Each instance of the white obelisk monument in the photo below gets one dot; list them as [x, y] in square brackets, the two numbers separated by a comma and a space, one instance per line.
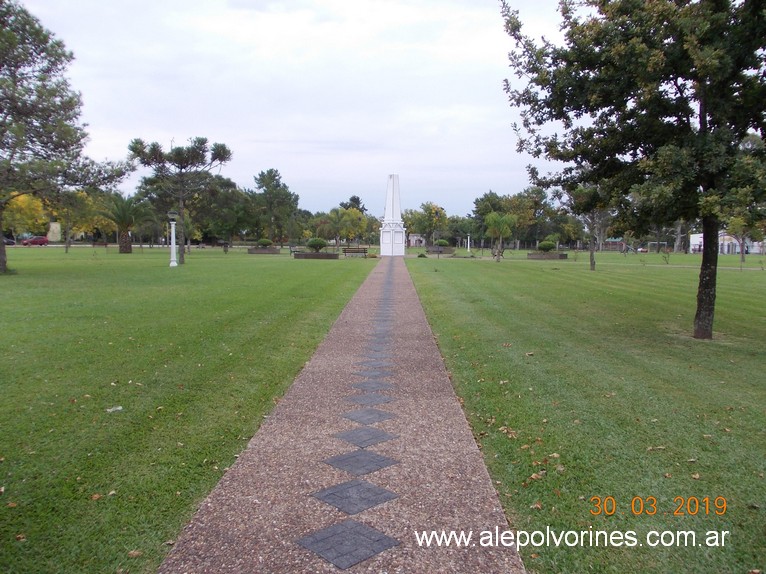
[392, 229]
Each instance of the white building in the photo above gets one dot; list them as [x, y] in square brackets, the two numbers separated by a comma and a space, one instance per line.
[727, 245]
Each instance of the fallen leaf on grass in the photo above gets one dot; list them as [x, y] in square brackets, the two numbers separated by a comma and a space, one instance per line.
[530, 354]
[537, 506]
[21, 537]
[667, 475]
[696, 476]
[135, 554]
[95, 496]
[510, 433]
[12, 505]
[652, 448]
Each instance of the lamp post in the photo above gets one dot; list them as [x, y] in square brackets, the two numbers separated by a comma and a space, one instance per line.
[172, 216]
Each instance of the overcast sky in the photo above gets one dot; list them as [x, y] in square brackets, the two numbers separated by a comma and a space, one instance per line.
[335, 94]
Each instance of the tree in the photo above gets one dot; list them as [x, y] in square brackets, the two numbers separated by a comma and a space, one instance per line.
[651, 98]
[744, 213]
[354, 224]
[279, 203]
[126, 213]
[355, 202]
[181, 172]
[432, 221]
[592, 208]
[499, 227]
[222, 213]
[25, 213]
[74, 208]
[41, 137]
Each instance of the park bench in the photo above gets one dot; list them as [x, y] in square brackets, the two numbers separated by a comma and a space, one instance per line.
[355, 251]
[295, 249]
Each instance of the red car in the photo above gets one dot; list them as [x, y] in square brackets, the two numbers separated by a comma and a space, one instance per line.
[36, 240]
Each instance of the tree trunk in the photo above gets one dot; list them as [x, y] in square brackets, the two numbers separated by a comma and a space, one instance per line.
[125, 245]
[703, 320]
[592, 252]
[741, 251]
[3, 254]
[678, 247]
[180, 231]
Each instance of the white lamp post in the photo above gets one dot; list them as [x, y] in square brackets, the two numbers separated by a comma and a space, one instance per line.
[172, 216]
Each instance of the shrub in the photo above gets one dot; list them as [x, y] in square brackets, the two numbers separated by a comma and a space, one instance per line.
[422, 255]
[316, 244]
[546, 246]
[441, 243]
[265, 242]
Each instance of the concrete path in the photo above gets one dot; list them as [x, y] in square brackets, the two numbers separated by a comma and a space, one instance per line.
[368, 446]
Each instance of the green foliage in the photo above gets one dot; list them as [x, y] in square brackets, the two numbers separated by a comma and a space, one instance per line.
[316, 244]
[499, 227]
[41, 136]
[647, 103]
[546, 246]
[265, 242]
[179, 174]
[276, 202]
[441, 243]
[126, 213]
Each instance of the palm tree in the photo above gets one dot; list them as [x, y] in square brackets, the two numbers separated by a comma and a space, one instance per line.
[126, 213]
[499, 226]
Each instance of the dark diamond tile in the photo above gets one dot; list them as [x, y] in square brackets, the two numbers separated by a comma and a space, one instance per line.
[369, 400]
[373, 385]
[365, 436]
[368, 416]
[377, 355]
[375, 363]
[374, 373]
[354, 496]
[359, 462]
[347, 543]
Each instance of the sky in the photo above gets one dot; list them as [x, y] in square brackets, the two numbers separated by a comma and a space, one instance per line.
[334, 94]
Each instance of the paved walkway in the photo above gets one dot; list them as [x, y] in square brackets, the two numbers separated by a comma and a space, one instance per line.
[368, 446]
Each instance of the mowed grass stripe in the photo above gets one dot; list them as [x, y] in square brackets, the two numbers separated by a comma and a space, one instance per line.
[600, 369]
[195, 356]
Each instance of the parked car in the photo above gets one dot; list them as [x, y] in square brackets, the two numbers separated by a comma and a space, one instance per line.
[8, 241]
[36, 240]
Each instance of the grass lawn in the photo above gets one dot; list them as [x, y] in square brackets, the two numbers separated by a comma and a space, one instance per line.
[129, 387]
[584, 384]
